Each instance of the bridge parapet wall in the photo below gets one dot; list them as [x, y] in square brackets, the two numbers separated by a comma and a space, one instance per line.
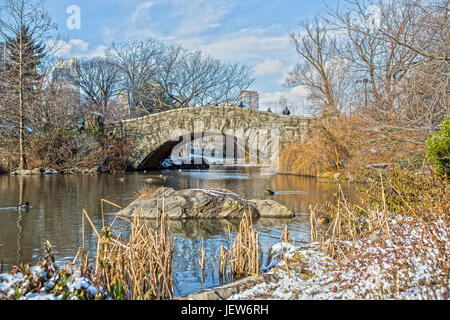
[152, 131]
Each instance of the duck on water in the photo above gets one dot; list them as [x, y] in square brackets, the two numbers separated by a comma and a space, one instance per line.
[25, 206]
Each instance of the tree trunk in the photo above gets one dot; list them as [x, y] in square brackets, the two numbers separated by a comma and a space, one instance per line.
[22, 158]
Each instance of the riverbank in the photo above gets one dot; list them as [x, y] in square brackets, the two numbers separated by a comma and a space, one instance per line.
[392, 245]
[409, 265]
[46, 172]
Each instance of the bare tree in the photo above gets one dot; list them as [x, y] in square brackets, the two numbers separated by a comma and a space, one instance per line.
[138, 63]
[233, 78]
[191, 78]
[404, 57]
[98, 79]
[320, 69]
[24, 26]
[58, 106]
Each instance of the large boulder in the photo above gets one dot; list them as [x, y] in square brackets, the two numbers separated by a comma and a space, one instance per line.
[271, 209]
[201, 204]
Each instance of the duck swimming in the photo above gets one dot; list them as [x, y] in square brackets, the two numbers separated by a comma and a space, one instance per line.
[25, 206]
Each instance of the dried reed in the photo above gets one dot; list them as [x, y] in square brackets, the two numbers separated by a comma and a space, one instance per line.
[146, 192]
[286, 236]
[202, 262]
[224, 270]
[138, 268]
[313, 219]
[244, 256]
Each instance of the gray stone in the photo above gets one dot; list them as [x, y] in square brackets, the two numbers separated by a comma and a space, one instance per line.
[271, 209]
[37, 172]
[226, 291]
[147, 130]
[201, 204]
[22, 172]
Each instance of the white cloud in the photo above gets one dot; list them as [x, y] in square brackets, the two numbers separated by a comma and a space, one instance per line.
[182, 19]
[141, 12]
[78, 44]
[197, 16]
[100, 51]
[269, 66]
[245, 44]
[63, 48]
[75, 47]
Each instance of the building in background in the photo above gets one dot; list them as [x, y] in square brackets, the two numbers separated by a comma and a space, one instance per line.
[64, 82]
[122, 98]
[66, 70]
[250, 99]
[65, 75]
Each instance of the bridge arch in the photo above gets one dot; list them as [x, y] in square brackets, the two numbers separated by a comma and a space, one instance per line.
[156, 135]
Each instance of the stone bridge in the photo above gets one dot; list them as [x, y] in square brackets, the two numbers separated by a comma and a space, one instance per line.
[157, 134]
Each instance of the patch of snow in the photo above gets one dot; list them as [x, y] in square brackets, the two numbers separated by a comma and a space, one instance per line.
[40, 296]
[373, 272]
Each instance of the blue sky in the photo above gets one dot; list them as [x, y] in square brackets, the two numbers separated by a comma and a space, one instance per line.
[254, 32]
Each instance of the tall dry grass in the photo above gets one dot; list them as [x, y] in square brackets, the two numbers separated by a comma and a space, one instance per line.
[202, 262]
[142, 265]
[402, 220]
[327, 147]
[244, 256]
[146, 192]
[350, 143]
[137, 268]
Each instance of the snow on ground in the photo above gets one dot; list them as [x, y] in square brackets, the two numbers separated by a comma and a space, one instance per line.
[409, 265]
[15, 286]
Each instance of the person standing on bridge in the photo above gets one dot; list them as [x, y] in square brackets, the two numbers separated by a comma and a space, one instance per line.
[287, 112]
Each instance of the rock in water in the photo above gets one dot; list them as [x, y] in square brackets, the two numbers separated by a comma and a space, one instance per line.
[201, 204]
[271, 209]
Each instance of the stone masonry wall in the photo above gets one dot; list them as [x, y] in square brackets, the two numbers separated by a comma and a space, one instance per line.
[152, 131]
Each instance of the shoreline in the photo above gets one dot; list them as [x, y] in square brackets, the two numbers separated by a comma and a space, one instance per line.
[306, 273]
[399, 256]
[309, 273]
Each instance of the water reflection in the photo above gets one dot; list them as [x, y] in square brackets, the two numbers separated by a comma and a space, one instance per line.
[57, 202]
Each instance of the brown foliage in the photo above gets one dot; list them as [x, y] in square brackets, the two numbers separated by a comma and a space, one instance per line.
[63, 151]
[326, 147]
[66, 151]
[115, 154]
[348, 143]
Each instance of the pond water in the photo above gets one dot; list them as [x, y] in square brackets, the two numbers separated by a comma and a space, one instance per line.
[57, 201]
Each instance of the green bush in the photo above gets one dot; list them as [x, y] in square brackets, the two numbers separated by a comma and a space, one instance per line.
[438, 148]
